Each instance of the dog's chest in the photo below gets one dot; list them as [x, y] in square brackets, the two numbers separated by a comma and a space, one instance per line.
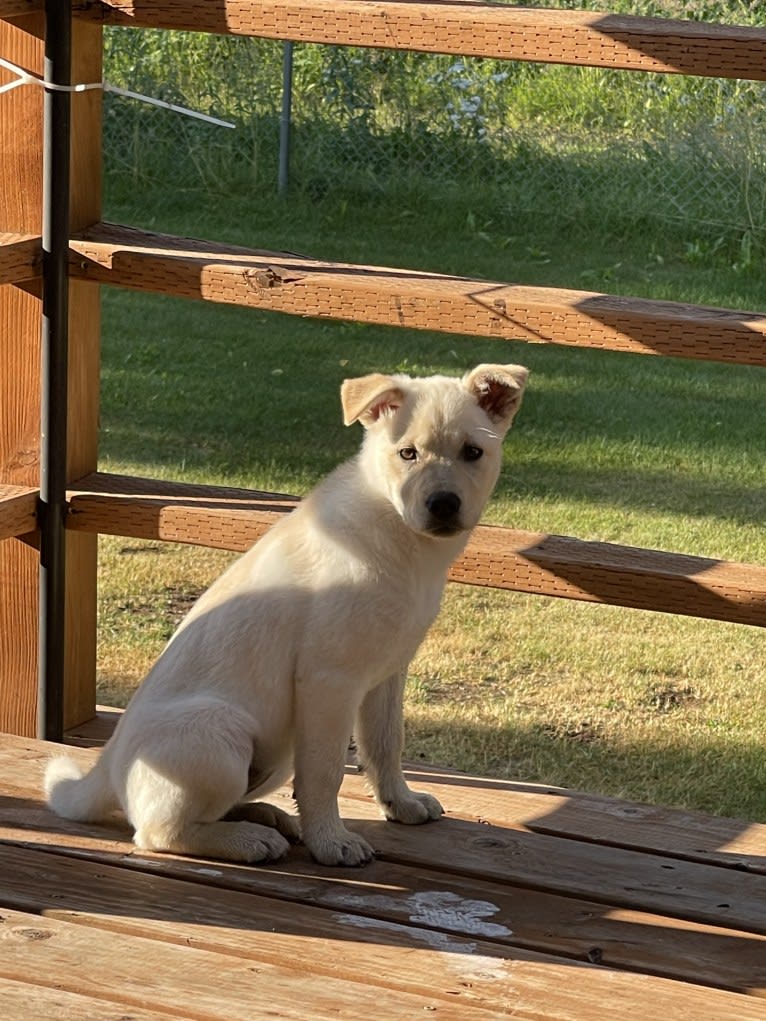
[373, 627]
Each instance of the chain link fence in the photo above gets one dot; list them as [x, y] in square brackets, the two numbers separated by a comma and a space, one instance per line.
[534, 137]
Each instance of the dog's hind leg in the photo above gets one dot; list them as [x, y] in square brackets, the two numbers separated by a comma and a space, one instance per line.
[180, 787]
[379, 738]
[263, 814]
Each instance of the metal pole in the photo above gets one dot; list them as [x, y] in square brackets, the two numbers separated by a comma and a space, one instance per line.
[54, 359]
[283, 179]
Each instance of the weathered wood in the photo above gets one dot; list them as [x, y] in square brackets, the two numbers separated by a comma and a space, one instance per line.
[18, 511]
[479, 853]
[24, 1002]
[222, 920]
[439, 935]
[694, 836]
[136, 971]
[20, 311]
[20, 257]
[532, 562]
[466, 28]
[398, 297]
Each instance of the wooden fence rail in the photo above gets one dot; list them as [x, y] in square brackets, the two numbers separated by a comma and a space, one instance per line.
[465, 28]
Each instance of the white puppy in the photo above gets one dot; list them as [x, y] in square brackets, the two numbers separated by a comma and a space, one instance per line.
[306, 639]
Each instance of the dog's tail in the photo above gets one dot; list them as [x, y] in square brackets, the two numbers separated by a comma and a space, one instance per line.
[74, 795]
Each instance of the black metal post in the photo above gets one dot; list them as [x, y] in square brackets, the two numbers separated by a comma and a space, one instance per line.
[54, 359]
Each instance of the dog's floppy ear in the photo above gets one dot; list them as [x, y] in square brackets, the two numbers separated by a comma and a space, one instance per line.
[367, 398]
[498, 390]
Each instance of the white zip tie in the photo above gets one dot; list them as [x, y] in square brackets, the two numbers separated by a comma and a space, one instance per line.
[25, 78]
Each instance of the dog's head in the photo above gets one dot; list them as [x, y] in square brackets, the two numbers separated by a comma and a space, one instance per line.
[433, 445]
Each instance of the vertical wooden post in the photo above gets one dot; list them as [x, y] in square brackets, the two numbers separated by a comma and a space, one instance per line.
[21, 42]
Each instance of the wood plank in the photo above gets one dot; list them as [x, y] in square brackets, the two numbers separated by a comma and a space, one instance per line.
[20, 257]
[25, 1001]
[84, 373]
[465, 28]
[734, 843]
[609, 875]
[18, 510]
[20, 310]
[149, 974]
[218, 516]
[177, 911]
[533, 562]
[284, 282]
[21, 41]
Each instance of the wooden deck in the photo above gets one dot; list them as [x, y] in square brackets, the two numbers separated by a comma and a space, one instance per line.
[523, 902]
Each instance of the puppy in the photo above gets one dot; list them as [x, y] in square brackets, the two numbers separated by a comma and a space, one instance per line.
[306, 639]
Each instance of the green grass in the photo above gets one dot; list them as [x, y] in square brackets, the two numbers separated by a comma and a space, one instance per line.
[639, 450]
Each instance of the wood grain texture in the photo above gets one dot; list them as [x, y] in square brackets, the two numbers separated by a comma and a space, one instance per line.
[455, 916]
[20, 257]
[280, 282]
[18, 510]
[20, 324]
[20, 310]
[465, 28]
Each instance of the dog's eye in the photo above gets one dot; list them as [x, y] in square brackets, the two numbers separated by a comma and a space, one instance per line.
[471, 453]
[408, 454]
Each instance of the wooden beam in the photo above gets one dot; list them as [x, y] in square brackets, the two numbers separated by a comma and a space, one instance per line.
[20, 257]
[21, 42]
[282, 282]
[506, 558]
[18, 511]
[20, 212]
[16, 8]
[465, 28]
[214, 516]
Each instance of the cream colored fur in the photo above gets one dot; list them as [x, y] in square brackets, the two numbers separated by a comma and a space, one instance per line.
[306, 639]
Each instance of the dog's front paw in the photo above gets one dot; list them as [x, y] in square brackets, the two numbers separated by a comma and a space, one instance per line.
[341, 847]
[414, 809]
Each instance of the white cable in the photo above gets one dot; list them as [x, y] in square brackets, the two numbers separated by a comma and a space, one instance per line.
[25, 78]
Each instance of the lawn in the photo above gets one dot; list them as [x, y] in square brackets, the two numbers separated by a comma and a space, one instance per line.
[632, 449]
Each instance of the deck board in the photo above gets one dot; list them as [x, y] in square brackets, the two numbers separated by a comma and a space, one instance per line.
[489, 916]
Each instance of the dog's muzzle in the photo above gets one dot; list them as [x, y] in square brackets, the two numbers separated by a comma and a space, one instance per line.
[444, 510]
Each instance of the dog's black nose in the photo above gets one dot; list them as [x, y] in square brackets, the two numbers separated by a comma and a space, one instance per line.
[443, 506]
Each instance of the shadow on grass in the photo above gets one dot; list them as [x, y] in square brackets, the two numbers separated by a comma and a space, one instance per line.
[718, 774]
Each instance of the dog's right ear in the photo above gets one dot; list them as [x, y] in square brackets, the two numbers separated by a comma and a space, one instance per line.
[366, 398]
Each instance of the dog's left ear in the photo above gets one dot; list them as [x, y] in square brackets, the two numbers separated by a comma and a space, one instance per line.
[367, 398]
[498, 390]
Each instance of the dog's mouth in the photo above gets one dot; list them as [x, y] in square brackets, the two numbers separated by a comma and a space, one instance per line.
[444, 531]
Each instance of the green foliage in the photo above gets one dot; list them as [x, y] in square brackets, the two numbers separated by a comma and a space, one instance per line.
[656, 151]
